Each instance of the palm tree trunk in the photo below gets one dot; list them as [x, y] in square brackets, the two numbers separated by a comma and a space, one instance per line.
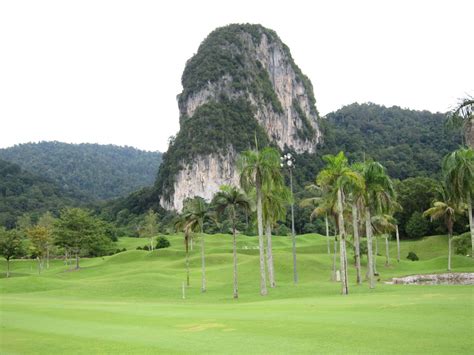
[271, 272]
[387, 255]
[375, 254]
[449, 252]
[186, 242]
[327, 233]
[471, 224]
[8, 267]
[77, 260]
[342, 245]
[334, 258]
[398, 243]
[355, 226]
[203, 264]
[370, 256]
[234, 245]
[293, 234]
[263, 277]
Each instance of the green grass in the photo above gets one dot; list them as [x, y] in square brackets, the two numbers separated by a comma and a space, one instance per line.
[131, 303]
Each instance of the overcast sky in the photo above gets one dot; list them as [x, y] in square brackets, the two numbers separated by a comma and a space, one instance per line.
[109, 71]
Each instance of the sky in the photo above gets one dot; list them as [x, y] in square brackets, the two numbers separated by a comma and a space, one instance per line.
[109, 71]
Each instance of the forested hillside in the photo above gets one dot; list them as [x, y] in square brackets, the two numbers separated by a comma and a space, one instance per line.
[98, 171]
[23, 192]
[408, 143]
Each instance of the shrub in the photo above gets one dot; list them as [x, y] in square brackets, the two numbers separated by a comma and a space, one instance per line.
[462, 244]
[162, 242]
[417, 226]
[412, 256]
[146, 247]
[124, 249]
[118, 251]
[139, 248]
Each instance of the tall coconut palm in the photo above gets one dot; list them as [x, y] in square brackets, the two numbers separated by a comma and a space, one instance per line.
[337, 175]
[463, 117]
[321, 207]
[378, 198]
[356, 201]
[384, 224]
[324, 204]
[231, 199]
[195, 213]
[180, 225]
[275, 199]
[446, 208]
[458, 169]
[257, 170]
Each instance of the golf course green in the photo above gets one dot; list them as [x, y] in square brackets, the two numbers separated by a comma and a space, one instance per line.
[132, 302]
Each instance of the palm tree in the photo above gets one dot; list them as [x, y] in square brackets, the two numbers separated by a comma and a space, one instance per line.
[231, 199]
[384, 224]
[337, 176]
[356, 200]
[462, 117]
[446, 207]
[324, 205]
[259, 169]
[195, 213]
[180, 225]
[458, 169]
[378, 198]
[275, 199]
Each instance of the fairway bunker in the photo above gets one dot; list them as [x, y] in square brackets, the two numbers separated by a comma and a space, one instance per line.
[452, 278]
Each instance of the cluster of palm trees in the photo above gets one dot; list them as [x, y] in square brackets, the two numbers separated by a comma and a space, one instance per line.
[359, 198]
[455, 193]
[263, 190]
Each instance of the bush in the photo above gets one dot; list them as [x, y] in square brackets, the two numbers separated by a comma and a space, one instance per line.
[412, 256]
[139, 248]
[162, 242]
[124, 249]
[417, 226]
[462, 244]
[118, 251]
[283, 230]
[146, 247]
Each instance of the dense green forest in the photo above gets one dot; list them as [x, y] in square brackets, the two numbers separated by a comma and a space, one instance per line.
[98, 171]
[23, 192]
[408, 143]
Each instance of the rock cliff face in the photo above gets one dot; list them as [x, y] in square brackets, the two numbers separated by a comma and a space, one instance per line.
[242, 82]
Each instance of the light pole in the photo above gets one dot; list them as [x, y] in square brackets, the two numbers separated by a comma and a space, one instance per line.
[288, 161]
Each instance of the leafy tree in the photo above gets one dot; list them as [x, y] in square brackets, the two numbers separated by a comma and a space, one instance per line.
[337, 176]
[11, 245]
[150, 227]
[414, 195]
[162, 242]
[196, 211]
[230, 199]
[417, 226]
[458, 169]
[47, 221]
[260, 170]
[78, 231]
[446, 208]
[40, 240]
